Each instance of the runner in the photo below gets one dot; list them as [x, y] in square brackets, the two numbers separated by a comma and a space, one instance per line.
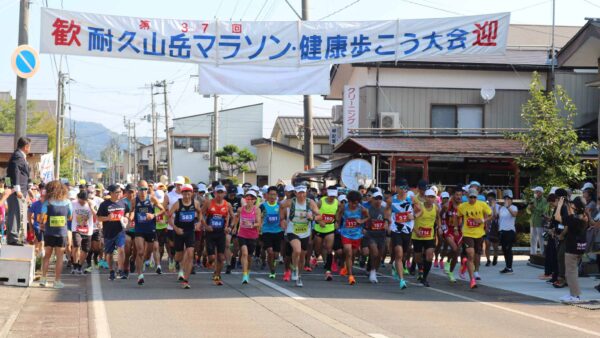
[441, 247]
[249, 227]
[56, 211]
[145, 226]
[82, 230]
[33, 215]
[231, 239]
[375, 230]
[301, 212]
[216, 226]
[170, 199]
[161, 229]
[475, 213]
[96, 256]
[423, 234]
[185, 220]
[130, 252]
[453, 232]
[272, 234]
[114, 215]
[351, 220]
[325, 229]
[401, 228]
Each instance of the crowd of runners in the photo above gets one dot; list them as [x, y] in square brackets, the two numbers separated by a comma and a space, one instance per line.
[221, 227]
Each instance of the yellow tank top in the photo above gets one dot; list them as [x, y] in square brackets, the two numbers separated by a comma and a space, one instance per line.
[328, 212]
[424, 224]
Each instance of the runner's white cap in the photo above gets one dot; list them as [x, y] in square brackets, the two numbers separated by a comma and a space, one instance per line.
[587, 185]
[342, 198]
[187, 187]
[264, 189]
[160, 195]
[300, 188]
[72, 194]
[289, 188]
[179, 180]
[445, 194]
[332, 192]
[202, 187]
[251, 193]
[240, 191]
[540, 189]
[430, 192]
[255, 188]
[377, 194]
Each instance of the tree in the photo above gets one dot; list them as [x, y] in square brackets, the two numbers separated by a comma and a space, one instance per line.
[551, 145]
[233, 161]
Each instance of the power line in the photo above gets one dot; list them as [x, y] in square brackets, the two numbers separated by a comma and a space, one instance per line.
[261, 9]
[237, 2]
[591, 3]
[339, 10]
[246, 10]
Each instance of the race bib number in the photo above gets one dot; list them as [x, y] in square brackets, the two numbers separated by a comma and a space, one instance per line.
[246, 222]
[272, 219]
[377, 224]
[217, 222]
[401, 217]
[351, 223]
[300, 228]
[82, 228]
[187, 216]
[472, 223]
[581, 246]
[328, 219]
[116, 215]
[58, 221]
[141, 217]
[424, 232]
[160, 218]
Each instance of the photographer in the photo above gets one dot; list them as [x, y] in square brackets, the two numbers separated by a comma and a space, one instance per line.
[558, 228]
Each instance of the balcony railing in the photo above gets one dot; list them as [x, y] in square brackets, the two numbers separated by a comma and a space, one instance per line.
[442, 132]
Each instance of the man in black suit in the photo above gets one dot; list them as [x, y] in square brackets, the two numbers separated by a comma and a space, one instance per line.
[18, 172]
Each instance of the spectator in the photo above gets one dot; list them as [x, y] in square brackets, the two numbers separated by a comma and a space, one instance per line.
[574, 237]
[507, 215]
[18, 172]
[491, 230]
[559, 231]
[538, 208]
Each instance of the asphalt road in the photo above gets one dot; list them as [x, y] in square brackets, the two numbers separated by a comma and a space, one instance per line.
[267, 308]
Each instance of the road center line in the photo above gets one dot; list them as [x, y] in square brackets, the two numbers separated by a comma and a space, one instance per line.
[377, 335]
[100, 319]
[280, 289]
[13, 316]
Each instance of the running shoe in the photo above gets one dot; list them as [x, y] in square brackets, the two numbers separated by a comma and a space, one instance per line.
[394, 272]
[158, 270]
[334, 266]
[403, 284]
[180, 276]
[476, 275]
[217, 280]
[245, 279]
[442, 265]
[272, 275]
[88, 270]
[299, 282]
[495, 261]
[185, 285]
[58, 285]
[405, 271]
[152, 264]
[125, 275]
[294, 274]
[112, 275]
[436, 264]
[570, 299]
[420, 276]
[447, 267]
[373, 277]
[140, 279]
[473, 283]
[328, 276]
[308, 269]
[351, 280]
[43, 282]
[313, 262]
[73, 270]
[344, 271]
[451, 277]
[228, 269]
[488, 263]
[506, 271]
[171, 265]
[287, 275]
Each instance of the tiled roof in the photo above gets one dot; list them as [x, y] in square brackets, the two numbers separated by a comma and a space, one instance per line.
[289, 125]
[251, 166]
[39, 143]
[433, 146]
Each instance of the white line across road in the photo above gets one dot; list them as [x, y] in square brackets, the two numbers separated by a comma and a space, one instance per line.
[100, 319]
[280, 289]
[13, 316]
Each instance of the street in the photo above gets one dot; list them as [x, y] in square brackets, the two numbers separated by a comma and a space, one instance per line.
[267, 308]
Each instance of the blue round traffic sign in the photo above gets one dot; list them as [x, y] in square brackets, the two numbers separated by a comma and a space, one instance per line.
[25, 61]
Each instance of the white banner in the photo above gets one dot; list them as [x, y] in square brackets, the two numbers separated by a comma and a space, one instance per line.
[46, 167]
[350, 99]
[277, 43]
[285, 80]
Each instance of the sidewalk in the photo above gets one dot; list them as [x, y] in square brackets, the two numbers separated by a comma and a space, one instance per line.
[525, 280]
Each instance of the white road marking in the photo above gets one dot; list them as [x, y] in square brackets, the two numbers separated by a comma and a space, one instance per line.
[13, 316]
[280, 289]
[377, 335]
[100, 319]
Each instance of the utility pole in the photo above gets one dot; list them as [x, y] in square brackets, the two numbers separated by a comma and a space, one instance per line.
[154, 136]
[215, 139]
[163, 84]
[552, 51]
[60, 111]
[21, 94]
[308, 130]
[135, 171]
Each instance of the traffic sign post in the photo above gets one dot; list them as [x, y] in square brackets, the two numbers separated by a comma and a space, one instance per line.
[25, 61]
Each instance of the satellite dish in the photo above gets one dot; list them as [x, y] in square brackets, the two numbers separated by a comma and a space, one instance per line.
[357, 172]
[487, 94]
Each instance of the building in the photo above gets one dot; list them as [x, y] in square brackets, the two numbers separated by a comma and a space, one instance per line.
[281, 157]
[444, 119]
[145, 164]
[39, 147]
[191, 139]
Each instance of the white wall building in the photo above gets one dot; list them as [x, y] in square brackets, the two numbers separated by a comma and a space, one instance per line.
[237, 126]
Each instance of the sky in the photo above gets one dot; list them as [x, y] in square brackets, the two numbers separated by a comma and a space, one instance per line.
[104, 90]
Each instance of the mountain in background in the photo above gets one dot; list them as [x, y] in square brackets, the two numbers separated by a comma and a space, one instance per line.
[93, 137]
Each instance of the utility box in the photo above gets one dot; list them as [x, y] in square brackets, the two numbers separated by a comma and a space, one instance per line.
[17, 265]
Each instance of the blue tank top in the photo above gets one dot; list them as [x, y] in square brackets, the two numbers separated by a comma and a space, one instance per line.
[57, 220]
[142, 224]
[350, 228]
[271, 222]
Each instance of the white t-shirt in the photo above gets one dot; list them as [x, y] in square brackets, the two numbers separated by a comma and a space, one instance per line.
[83, 219]
[506, 221]
[173, 198]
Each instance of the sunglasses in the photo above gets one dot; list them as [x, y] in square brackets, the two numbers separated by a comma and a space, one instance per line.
[470, 197]
[142, 189]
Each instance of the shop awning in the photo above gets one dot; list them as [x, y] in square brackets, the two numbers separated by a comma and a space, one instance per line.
[323, 170]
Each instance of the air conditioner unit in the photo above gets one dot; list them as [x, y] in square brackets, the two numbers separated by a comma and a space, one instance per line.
[337, 114]
[206, 156]
[389, 120]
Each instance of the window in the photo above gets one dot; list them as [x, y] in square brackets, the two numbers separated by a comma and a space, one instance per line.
[180, 142]
[323, 149]
[199, 144]
[456, 116]
[162, 156]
